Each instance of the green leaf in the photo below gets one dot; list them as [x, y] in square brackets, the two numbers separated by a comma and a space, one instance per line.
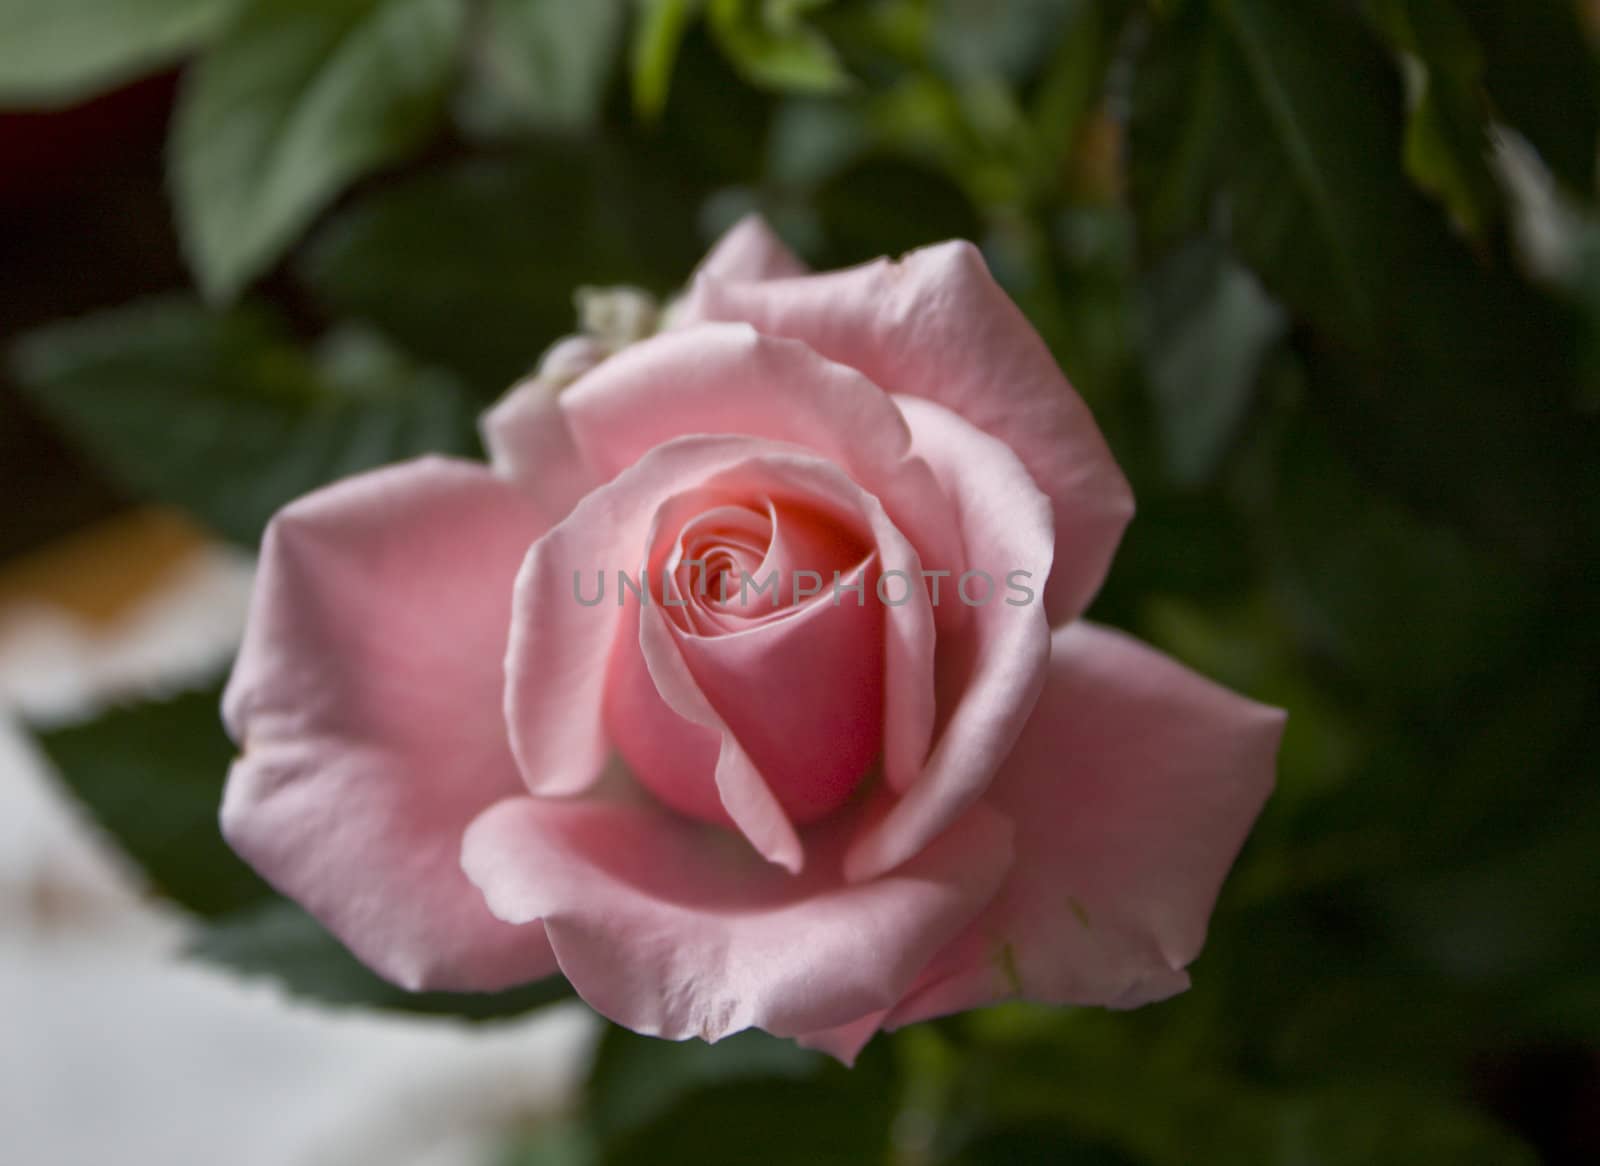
[657, 1103]
[475, 264]
[1074, 80]
[223, 416]
[299, 99]
[1544, 79]
[1356, 1125]
[1465, 413]
[1000, 38]
[712, 135]
[1285, 121]
[1085, 309]
[57, 52]
[1506, 919]
[542, 64]
[1447, 151]
[1432, 30]
[1207, 327]
[657, 37]
[1033, 1143]
[770, 44]
[781, 1123]
[636, 1079]
[556, 1141]
[1184, 96]
[812, 139]
[1405, 604]
[1095, 1078]
[1441, 371]
[151, 774]
[279, 941]
[1447, 133]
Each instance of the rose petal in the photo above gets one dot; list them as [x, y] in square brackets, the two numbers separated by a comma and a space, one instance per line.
[844, 1042]
[742, 789]
[762, 776]
[665, 927]
[671, 756]
[525, 434]
[560, 646]
[804, 695]
[560, 651]
[991, 666]
[749, 250]
[704, 568]
[1132, 789]
[734, 568]
[529, 443]
[726, 379]
[366, 703]
[935, 324]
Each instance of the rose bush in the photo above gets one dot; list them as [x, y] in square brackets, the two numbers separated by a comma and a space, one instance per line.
[480, 756]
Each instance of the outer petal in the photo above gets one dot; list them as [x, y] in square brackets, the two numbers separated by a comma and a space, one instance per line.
[844, 1042]
[935, 324]
[750, 250]
[723, 378]
[366, 704]
[672, 929]
[991, 666]
[1132, 790]
[526, 433]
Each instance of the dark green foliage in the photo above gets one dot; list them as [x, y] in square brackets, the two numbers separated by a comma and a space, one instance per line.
[151, 775]
[226, 416]
[279, 942]
[475, 264]
[766, 1100]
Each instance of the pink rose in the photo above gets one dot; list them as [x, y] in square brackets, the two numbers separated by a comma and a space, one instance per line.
[872, 791]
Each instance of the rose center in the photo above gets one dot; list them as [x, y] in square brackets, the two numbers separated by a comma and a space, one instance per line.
[771, 606]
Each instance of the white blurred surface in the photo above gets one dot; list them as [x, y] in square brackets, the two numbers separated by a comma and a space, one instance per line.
[112, 1050]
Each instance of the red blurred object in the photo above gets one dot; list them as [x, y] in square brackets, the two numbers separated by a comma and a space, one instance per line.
[84, 225]
[45, 155]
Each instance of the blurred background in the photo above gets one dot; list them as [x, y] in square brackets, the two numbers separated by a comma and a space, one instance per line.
[1328, 274]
